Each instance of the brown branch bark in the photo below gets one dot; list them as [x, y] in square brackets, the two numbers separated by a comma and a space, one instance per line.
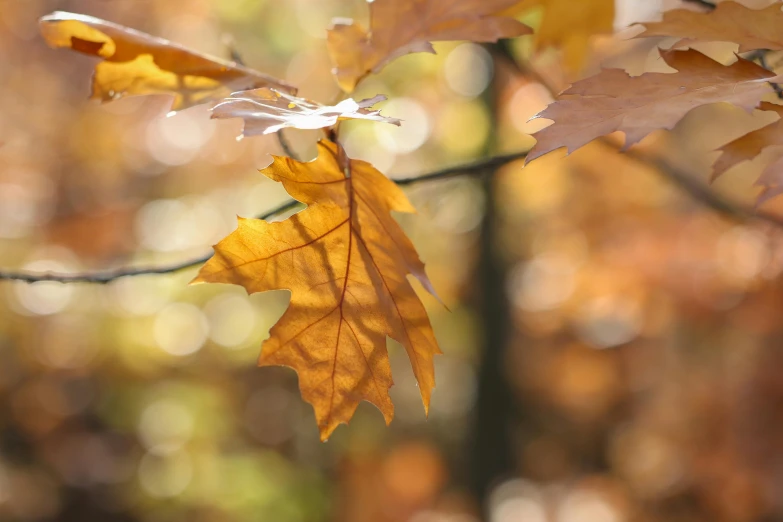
[107, 276]
[699, 191]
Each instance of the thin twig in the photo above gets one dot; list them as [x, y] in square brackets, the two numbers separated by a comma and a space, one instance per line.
[236, 56]
[233, 52]
[286, 146]
[697, 190]
[108, 276]
[475, 168]
[702, 193]
[762, 58]
[703, 3]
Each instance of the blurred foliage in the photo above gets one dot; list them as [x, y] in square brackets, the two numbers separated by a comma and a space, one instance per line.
[644, 360]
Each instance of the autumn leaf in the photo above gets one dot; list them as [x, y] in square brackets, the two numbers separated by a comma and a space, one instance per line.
[400, 27]
[135, 63]
[752, 144]
[266, 111]
[569, 25]
[345, 261]
[614, 101]
[771, 180]
[729, 22]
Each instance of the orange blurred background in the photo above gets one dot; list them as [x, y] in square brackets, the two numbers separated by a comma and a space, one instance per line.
[611, 344]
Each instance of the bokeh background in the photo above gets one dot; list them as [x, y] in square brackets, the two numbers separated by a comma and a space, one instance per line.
[613, 347]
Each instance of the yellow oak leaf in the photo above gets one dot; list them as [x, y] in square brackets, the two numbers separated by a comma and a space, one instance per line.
[345, 261]
[569, 25]
[265, 111]
[400, 27]
[637, 105]
[135, 63]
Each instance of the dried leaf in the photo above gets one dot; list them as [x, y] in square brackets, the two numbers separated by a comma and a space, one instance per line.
[614, 101]
[771, 180]
[400, 27]
[266, 111]
[569, 25]
[135, 63]
[747, 147]
[346, 262]
[729, 22]
[752, 144]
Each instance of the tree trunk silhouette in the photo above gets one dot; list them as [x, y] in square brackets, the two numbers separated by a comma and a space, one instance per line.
[491, 450]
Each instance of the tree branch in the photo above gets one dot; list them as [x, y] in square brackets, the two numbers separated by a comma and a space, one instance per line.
[108, 276]
[697, 190]
[469, 169]
[762, 58]
[703, 3]
[103, 277]
[702, 193]
[286, 146]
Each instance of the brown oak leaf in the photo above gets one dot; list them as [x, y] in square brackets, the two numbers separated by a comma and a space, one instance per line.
[135, 63]
[400, 27]
[747, 147]
[729, 22]
[265, 111]
[752, 144]
[569, 25]
[614, 101]
[771, 181]
[345, 261]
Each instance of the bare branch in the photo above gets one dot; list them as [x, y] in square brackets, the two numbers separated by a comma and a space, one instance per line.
[762, 58]
[233, 52]
[696, 189]
[286, 146]
[108, 276]
[701, 192]
[703, 3]
[478, 167]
